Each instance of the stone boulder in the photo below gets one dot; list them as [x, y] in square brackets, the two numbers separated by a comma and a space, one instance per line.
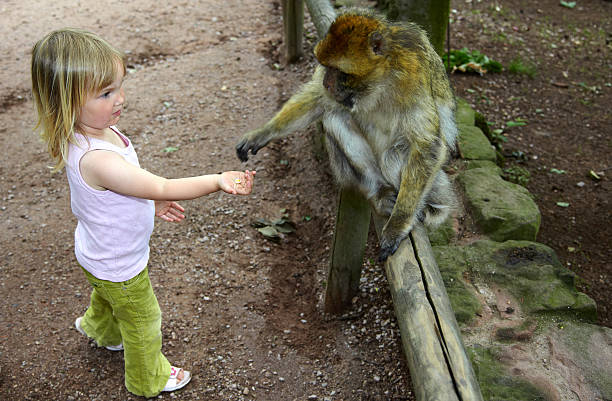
[501, 209]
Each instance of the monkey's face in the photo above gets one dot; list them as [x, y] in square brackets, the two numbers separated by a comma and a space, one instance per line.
[351, 53]
[340, 86]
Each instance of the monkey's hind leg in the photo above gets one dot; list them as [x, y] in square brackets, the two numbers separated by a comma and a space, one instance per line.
[440, 201]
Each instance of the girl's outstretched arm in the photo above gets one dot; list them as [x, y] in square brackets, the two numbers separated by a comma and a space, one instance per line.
[103, 169]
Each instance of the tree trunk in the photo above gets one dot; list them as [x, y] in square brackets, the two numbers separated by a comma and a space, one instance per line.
[431, 15]
[322, 14]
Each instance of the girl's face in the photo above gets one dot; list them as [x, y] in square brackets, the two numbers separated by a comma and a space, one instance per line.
[102, 109]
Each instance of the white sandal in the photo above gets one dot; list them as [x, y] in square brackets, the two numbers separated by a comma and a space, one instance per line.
[173, 383]
[77, 324]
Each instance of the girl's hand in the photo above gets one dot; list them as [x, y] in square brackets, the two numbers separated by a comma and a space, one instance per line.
[236, 182]
[169, 210]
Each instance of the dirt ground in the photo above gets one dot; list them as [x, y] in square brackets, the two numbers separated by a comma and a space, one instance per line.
[242, 313]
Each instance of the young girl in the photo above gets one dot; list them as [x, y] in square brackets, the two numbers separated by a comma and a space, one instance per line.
[77, 88]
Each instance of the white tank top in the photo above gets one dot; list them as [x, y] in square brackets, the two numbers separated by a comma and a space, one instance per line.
[111, 240]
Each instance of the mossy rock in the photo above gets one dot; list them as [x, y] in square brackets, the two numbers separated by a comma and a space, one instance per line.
[464, 303]
[496, 383]
[443, 234]
[588, 347]
[501, 209]
[465, 114]
[463, 300]
[486, 164]
[474, 145]
[531, 273]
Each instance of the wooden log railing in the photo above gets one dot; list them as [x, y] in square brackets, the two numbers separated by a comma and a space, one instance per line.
[436, 357]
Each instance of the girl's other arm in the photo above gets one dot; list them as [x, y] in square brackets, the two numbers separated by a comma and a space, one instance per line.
[108, 170]
[169, 210]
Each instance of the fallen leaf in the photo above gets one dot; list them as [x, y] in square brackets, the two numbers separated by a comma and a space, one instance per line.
[269, 232]
[560, 84]
[276, 229]
[594, 175]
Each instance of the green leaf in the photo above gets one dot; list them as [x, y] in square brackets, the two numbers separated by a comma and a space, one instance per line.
[568, 4]
[594, 175]
[170, 149]
[269, 232]
[284, 228]
[307, 218]
[517, 123]
[556, 171]
[465, 60]
[593, 88]
[260, 223]
[563, 204]
[275, 229]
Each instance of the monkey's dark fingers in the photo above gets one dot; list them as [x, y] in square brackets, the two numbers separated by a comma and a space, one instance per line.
[242, 150]
[384, 254]
[389, 243]
[386, 251]
[246, 145]
[242, 155]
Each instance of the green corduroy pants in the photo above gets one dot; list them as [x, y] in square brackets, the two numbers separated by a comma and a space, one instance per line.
[128, 312]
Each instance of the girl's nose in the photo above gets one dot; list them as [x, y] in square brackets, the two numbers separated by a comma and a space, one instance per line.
[121, 97]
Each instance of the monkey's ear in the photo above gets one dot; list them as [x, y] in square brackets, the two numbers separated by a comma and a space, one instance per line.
[377, 42]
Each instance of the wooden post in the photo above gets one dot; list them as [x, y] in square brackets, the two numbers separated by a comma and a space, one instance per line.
[293, 22]
[348, 248]
[352, 217]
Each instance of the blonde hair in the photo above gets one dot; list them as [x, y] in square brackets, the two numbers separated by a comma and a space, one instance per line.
[68, 65]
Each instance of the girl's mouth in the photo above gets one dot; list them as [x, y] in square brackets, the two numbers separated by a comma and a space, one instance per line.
[117, 113]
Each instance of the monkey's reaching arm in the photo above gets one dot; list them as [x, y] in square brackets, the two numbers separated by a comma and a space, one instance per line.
[296, 114]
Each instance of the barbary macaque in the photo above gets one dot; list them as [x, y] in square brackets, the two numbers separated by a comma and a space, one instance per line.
[387, 109]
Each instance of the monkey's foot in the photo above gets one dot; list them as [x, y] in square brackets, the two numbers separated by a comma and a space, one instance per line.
[387, 250]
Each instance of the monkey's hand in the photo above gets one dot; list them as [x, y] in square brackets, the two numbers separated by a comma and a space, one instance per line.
[251, 141]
